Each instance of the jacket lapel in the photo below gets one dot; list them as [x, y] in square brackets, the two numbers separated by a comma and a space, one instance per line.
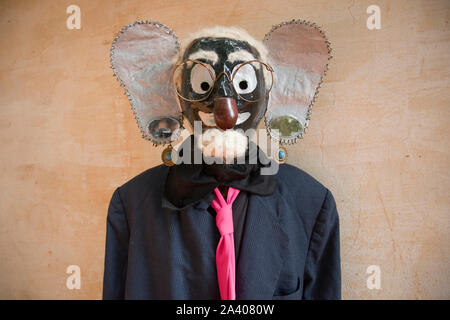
[263, 248]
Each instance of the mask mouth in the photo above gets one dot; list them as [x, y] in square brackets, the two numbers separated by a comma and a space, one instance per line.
[208, 118]
[242, 117]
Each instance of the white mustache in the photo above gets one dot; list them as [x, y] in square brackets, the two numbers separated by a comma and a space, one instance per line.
[208, 118]
[228, 144]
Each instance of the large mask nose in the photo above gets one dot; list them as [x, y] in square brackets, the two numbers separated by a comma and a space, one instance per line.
[225, 112]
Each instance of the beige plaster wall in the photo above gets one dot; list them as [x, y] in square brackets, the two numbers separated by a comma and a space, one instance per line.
[378, 137]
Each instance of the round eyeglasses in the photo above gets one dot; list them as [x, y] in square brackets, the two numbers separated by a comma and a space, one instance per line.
[243, 78]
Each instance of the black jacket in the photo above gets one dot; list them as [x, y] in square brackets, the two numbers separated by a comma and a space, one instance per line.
[289, 247]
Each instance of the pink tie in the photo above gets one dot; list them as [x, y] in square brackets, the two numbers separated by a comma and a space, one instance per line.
[225, 260]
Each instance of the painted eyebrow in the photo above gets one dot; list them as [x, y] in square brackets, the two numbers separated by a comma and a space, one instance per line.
[203, 54]
[240, 55]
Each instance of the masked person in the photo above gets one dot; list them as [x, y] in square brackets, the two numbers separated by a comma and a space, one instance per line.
[219, 219]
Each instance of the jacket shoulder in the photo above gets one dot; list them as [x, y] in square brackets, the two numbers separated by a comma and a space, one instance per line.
[294, 177]
[150, 181]
[145, 176]
[301, 188]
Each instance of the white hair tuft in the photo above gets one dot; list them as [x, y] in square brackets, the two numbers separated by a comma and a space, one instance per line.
[232, 33]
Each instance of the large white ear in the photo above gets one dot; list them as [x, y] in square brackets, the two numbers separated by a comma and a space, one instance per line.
[142, 57]
[299, 54]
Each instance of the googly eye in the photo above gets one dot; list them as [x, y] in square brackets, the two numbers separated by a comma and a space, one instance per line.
[244, 80]
[201, 78]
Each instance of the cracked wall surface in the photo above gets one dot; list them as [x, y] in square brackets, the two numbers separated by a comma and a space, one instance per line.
[378, 137]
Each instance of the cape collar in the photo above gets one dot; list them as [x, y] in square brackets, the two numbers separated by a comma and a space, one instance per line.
[187, 184]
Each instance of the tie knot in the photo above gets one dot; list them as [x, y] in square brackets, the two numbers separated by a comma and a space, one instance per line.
[224, 217]
[224, 220]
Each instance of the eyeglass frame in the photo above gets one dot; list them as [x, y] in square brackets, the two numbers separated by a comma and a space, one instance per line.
[214, 78]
